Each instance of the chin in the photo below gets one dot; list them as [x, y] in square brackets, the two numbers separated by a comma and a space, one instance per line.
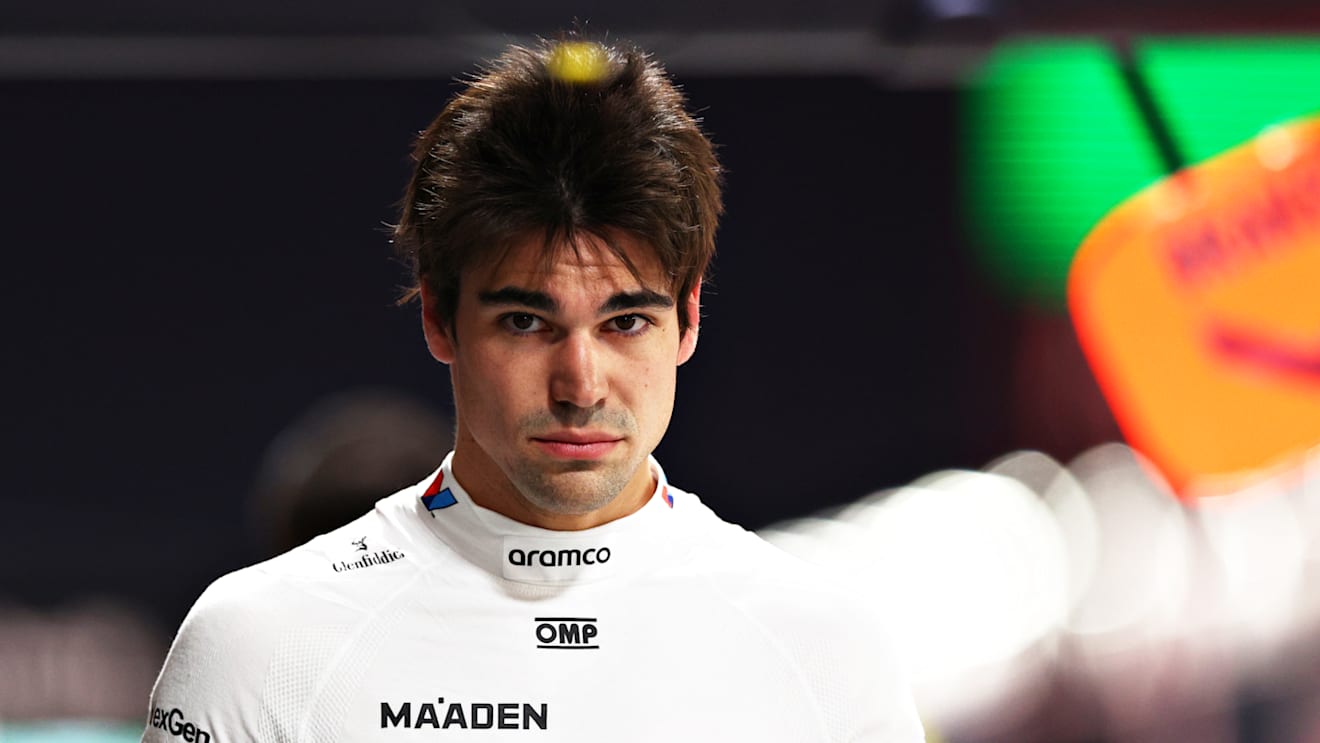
[580, 490]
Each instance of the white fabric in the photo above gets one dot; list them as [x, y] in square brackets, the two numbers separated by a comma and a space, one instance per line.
[688, 629]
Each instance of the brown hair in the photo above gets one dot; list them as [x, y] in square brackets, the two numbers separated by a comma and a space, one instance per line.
[524, 150]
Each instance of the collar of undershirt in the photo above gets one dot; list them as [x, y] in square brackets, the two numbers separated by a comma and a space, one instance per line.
[528, 554]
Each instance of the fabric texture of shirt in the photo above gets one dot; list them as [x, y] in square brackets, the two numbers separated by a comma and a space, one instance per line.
[431, 613]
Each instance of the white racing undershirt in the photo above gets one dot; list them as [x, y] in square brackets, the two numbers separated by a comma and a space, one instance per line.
[434, 618]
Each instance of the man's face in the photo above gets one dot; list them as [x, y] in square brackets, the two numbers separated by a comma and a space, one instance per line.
[563, 379]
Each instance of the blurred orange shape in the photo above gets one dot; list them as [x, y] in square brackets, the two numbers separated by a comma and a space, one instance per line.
[1197, 302]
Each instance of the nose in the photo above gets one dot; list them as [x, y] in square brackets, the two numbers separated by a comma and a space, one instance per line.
[578, 378]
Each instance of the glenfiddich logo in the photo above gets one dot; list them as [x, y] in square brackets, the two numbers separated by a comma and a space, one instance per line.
[379, 557]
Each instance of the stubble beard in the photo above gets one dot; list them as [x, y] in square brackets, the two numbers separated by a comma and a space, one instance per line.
[575, 487]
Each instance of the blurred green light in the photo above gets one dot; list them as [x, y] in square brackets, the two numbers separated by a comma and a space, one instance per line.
[1052, 140]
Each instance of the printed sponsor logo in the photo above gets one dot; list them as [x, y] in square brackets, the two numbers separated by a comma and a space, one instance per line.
[443, 715]
[437, 496]
[556, 560]
[172, 722]
[566, 633]
[379, 557]
[560, 558]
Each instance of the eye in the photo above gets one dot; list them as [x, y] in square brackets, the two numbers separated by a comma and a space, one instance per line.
[522, 322]
[630, 324]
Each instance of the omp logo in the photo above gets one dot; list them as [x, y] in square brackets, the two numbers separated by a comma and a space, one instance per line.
[172, 722]
[559, 558]
[566, 633]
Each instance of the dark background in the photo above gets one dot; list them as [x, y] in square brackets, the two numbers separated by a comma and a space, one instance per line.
[192, 264]
[194, 210]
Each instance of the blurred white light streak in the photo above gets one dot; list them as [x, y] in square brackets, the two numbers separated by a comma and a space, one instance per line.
[1001, 575]
[1141, 578]
[1071, 508]
[1258, 541]
[975, 560]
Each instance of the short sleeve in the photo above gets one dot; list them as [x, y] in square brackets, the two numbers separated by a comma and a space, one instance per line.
[210, 686]
[837, 641]
[850, 665]
[883, 703]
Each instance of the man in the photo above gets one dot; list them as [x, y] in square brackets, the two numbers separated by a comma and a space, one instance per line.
[546, 583]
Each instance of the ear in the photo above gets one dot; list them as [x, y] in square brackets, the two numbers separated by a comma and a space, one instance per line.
[687, 345]
[438, 337]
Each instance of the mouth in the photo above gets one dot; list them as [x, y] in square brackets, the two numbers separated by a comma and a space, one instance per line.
[581, 445]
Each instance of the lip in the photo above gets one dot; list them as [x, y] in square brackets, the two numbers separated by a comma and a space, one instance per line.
[583, 445]
[578, 437]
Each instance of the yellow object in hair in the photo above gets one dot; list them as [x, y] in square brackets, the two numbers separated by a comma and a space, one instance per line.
[578, 62]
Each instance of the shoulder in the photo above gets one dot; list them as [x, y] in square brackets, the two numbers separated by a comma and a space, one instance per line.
[339, 574]
[746, 565]
[832, 632]
[252, 630]
[334, 578]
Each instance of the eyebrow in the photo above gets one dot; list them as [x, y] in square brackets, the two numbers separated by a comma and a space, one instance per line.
[643, 299]
[540, 301]
[512, 295]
